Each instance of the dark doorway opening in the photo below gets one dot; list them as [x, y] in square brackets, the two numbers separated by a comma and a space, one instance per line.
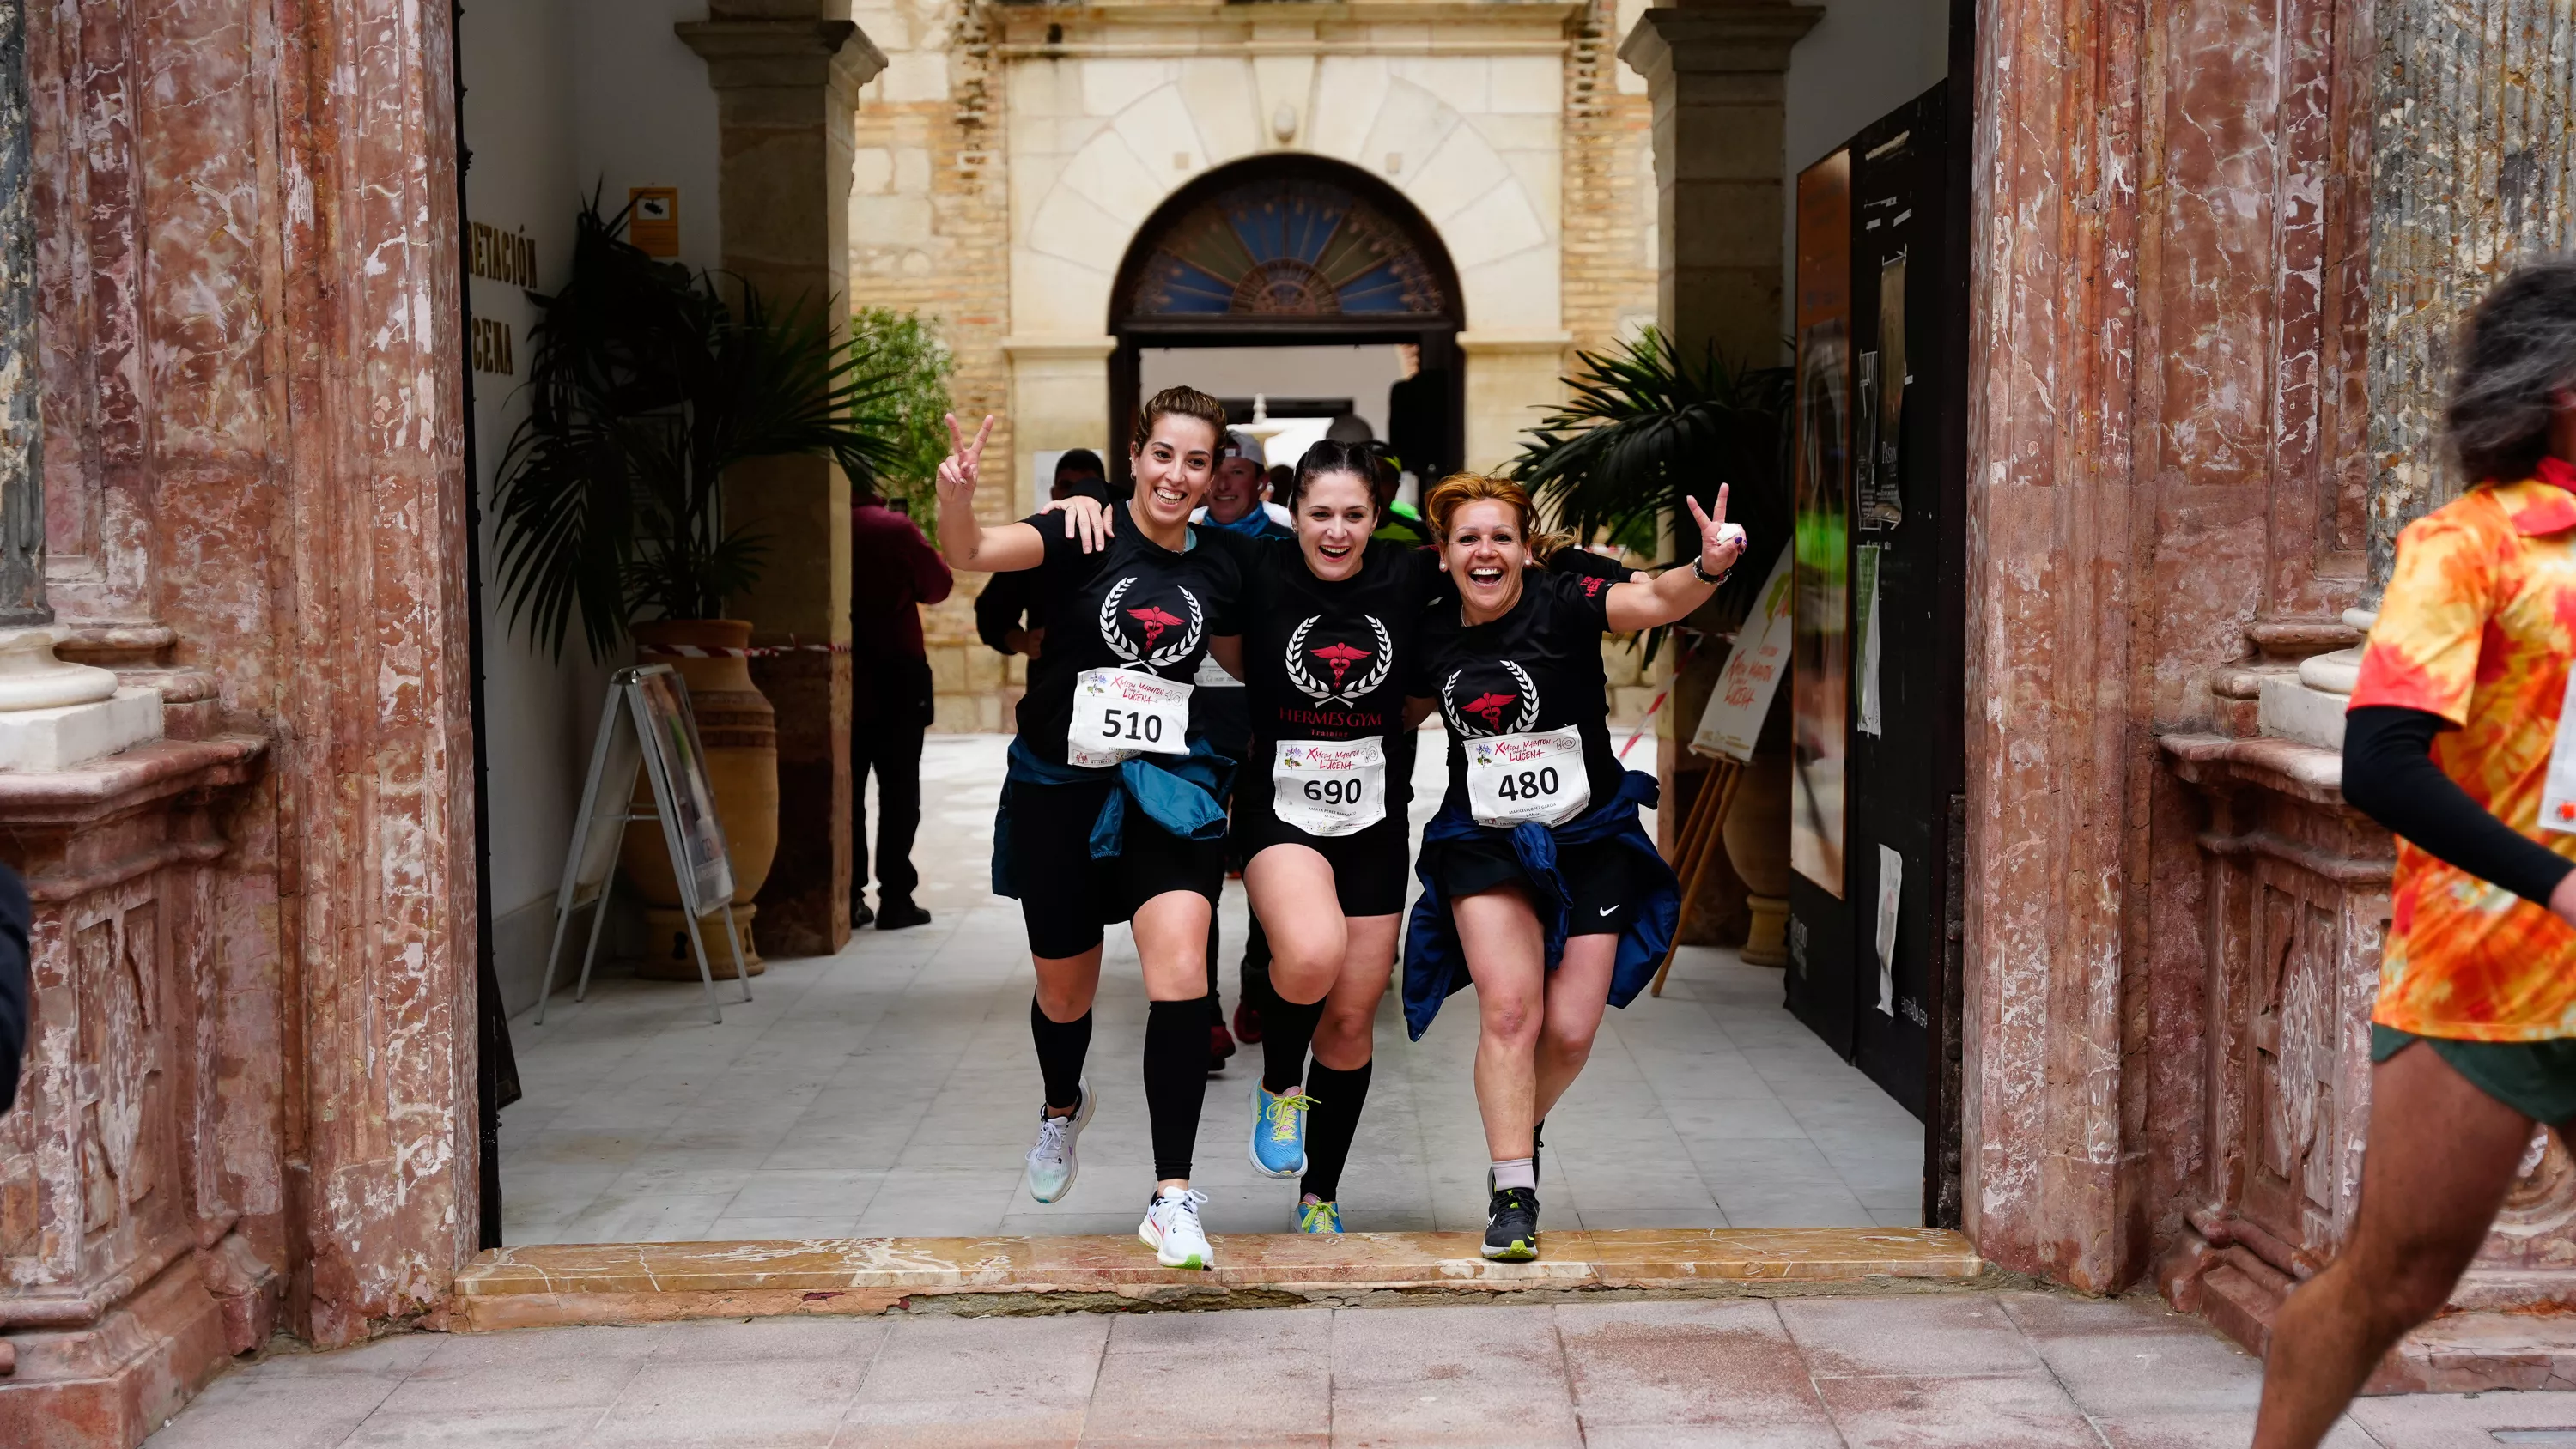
[1295, 251]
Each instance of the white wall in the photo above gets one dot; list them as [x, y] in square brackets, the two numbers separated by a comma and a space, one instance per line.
[562, 96]
[1863, 60]
[642, 111]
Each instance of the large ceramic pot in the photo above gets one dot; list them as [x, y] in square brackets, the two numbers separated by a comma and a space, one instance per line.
[1756, 834]
[740, 733]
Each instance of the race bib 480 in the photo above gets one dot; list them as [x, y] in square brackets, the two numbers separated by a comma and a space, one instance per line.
[1119, 714]
[1523, 779]
[1329, 787]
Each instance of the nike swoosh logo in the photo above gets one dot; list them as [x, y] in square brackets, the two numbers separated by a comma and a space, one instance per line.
[1605, 910]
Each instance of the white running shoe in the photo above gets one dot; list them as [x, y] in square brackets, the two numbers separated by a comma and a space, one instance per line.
[1052, 1164]
[1171, 1228]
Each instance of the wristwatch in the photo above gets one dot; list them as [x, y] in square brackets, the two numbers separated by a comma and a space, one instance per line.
[1705, 577]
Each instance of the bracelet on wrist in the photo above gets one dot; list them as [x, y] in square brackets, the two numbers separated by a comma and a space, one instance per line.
[1699, 571]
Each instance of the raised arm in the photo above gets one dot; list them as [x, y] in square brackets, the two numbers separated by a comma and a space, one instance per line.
[963, 539]
[1672, 594]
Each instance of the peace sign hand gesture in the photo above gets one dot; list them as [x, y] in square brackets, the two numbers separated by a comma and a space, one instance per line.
[1720, 543]
[957, 472]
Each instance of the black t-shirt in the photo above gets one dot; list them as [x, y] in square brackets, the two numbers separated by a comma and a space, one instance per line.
[1323, 659]
[1133, 605]
[1536, 668]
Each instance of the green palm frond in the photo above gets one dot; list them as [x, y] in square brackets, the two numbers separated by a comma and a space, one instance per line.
[646, 385]
[1646, 425]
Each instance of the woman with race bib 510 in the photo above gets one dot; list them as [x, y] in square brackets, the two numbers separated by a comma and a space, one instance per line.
[1111, 809]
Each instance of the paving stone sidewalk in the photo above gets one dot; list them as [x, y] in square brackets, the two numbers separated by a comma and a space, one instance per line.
[1989, 1370]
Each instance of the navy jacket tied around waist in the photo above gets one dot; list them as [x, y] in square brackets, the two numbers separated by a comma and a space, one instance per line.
[1184, 794]
[1434, 966]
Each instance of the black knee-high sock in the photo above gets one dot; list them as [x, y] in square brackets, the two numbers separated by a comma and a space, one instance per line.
[1061, 1047]
[1255, 975]
[1176, 1067]
[1330, 1126]
[1215, 999]
[1286, 1028]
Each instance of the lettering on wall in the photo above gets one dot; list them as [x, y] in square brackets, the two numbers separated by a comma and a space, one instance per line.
[492, 347]
[502, 256]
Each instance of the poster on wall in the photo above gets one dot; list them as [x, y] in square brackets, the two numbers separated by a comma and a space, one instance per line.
[1756, 664]
[1821, 641]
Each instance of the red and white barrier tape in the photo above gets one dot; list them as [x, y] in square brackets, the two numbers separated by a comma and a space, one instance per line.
[1642, 724]
[758, 651]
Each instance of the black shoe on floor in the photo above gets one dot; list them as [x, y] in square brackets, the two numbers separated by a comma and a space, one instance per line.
[860, 915]
[897, 914]
[1511, 1226]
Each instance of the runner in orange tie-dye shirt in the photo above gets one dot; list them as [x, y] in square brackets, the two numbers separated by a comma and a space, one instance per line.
[2454, 743]
[2477, 626]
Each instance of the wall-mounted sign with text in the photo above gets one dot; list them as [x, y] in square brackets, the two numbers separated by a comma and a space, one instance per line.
[492, 347]
[501, 256]
[653, 219]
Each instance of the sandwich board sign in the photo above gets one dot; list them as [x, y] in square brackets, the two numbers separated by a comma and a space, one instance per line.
[646, 725]
[1754, 669]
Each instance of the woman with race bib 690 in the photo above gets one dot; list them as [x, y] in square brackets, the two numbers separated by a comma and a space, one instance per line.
[1112, 810]
[1539, 882]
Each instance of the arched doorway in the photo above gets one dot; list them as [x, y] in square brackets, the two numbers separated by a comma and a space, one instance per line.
[1295, 251]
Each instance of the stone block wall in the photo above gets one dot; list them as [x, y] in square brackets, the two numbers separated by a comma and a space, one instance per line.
[930, 233]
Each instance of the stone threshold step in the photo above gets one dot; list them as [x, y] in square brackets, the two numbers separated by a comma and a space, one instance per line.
[567, 1283]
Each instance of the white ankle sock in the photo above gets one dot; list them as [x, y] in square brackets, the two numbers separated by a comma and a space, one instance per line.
[1514, 1172]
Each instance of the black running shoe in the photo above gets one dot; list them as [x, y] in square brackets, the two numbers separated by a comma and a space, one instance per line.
[1511, 1226]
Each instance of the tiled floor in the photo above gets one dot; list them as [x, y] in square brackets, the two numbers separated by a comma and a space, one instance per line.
[890, 1090]
[1996, 1371]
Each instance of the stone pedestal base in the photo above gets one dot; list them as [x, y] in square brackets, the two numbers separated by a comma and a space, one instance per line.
[1767, 944]
[57, 739]
[116, 1380]
[669, 957]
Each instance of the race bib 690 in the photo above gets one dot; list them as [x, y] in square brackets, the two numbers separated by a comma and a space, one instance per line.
[1329, 787]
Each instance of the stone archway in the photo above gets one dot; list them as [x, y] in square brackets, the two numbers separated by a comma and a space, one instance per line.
[1469, 142]
[1291, 249]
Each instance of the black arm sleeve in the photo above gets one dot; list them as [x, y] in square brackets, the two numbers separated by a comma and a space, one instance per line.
[16, 918]
[2389, 775]
[998, 609]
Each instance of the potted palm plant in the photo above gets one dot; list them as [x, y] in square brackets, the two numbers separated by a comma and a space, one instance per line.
[1644, 425]
[646, 384]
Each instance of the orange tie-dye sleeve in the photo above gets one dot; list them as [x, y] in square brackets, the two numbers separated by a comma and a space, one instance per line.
[2423, 652]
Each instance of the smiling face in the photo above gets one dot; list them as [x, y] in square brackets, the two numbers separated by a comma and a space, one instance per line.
[1172, 470]
[1235, 490]
[1334, 515]
[1485, 551]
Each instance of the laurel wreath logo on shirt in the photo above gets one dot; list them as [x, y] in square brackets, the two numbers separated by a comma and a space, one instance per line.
[1163, 658]
[1351, 694]
[1490, 705]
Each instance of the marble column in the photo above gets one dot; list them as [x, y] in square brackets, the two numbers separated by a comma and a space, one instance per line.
[2469, 175]
[787, 85]
[22, 503]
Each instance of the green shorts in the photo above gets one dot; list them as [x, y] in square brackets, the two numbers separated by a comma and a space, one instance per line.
[2535, 1078]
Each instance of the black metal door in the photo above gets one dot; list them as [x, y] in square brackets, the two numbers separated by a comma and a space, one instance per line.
[1905, 745]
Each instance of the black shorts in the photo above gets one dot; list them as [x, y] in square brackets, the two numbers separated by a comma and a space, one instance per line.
[1603, 878]
[1369, 872]
[1065, 895]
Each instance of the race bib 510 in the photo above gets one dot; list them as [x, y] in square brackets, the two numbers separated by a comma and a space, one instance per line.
[1119, 714]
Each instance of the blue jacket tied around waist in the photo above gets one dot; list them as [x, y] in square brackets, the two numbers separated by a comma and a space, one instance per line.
[1184, 794]
[1434, 966]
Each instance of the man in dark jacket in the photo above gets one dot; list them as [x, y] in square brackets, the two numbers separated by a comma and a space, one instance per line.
[1004, 617]
[893, 572]
[16, 918]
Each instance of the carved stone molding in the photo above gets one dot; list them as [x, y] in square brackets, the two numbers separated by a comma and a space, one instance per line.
[124, 1279]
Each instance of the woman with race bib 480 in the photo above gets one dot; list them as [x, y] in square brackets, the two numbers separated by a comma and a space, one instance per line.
[1539, 882]
[1111, 809]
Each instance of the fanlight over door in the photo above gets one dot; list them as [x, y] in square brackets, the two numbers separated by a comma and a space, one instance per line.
[1270, 249]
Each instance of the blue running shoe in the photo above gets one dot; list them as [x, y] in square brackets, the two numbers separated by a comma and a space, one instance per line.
[1320, 1219]
[1279, 1133]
